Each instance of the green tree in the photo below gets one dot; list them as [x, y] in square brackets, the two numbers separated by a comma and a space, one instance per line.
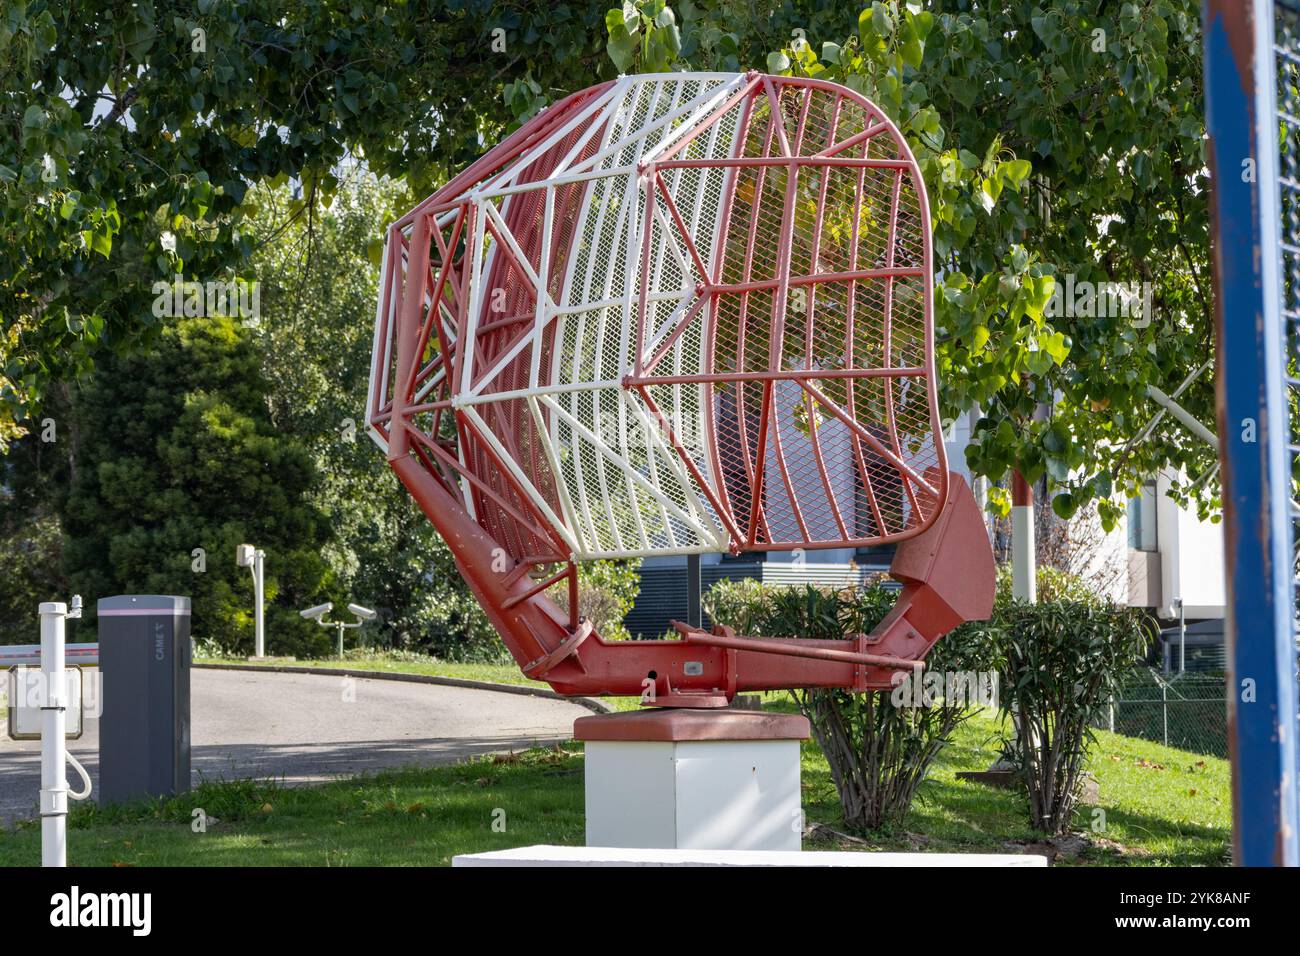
[1082, 156]
[1055, 139]
[178, 462]
[30, 546]
[320, 286]
[318, 300]
[131, 134]
[135, 135]
[33, 480]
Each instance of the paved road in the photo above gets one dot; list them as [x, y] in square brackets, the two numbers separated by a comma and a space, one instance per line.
[303, 728]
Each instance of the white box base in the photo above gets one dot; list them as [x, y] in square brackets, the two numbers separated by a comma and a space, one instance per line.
[694, 794]
[611, 856]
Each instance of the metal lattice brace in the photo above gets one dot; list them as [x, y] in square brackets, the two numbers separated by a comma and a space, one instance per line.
[672, 314]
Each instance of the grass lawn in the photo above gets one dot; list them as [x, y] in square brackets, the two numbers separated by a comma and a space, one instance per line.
[1162, 807]
[1158, 806]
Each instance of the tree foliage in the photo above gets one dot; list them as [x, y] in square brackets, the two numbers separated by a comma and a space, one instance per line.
[145, 140]
[177, 462]
[30, 574]
[319, 304]
[133, 133]
[1056, 140]
[321, 286]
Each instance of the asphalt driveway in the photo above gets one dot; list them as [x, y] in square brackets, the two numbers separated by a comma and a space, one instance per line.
[305, 728]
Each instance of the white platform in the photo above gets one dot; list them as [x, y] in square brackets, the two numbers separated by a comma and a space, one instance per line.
[693, 794]
[620, 856]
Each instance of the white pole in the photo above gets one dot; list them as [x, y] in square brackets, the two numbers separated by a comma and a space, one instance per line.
[1024, 584]
[1024, 561]
[259, 621]
[1183, 415]
[54, 781]
[1182, 636]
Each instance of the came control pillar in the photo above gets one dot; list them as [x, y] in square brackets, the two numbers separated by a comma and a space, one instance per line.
[144, 731]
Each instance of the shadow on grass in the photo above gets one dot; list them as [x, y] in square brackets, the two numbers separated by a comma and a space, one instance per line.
[965, 817]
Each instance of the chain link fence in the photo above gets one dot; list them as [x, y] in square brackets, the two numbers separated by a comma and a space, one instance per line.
[1187, 711]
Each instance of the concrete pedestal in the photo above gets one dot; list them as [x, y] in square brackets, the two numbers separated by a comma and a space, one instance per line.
[693, 779]
[549, 856]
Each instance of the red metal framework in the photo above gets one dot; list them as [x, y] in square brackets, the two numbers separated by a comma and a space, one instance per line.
[672, 314]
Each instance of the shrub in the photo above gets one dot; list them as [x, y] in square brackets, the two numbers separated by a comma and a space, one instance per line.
[1058, 663]
[606, 592]
[1062, 662]
[1053, 585]
[879, 747]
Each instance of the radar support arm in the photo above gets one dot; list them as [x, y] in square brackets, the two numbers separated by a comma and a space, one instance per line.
[946, 572]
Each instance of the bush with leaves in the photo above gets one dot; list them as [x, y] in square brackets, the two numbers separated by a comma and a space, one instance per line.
[879, 745]
[606, 592]
[1062, 661]
[1052, 584]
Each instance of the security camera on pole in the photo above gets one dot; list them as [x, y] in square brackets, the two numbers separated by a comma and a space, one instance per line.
[318, 613]
[247, 556]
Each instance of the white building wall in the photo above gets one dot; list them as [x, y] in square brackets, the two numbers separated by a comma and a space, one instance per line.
[1188, 561]
[1190, 551]
[1191, 557]
[1107, 564]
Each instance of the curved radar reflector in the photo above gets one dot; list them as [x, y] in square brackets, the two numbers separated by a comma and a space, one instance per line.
[671, 314]
[675, 313]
